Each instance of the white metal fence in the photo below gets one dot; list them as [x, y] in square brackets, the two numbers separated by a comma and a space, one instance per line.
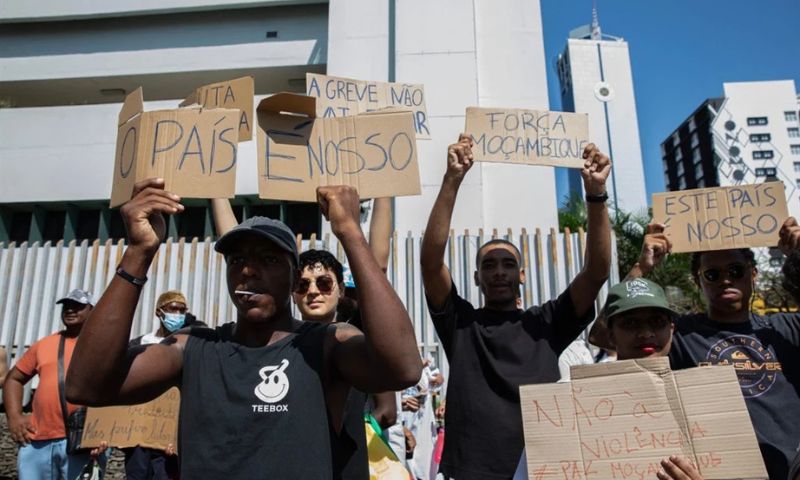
[33, 277]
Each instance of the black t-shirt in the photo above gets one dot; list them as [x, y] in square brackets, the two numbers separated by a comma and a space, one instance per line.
[349, 446]
[492, 353]
[765, 352]
[254, 412]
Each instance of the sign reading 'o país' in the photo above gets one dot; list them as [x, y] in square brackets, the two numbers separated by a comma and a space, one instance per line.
[722, 217]
[530, 137]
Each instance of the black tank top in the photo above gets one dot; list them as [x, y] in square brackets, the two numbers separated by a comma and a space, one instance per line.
[254, 413]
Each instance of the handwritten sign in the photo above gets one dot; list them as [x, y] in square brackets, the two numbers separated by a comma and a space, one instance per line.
[374, 152]
[341, 97]
[529, 137]
[153, 424]
[192, 149]
[236, 94]
[722, 217]
[619, 419]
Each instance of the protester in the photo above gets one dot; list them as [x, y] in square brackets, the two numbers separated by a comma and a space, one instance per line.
[260, 392]
[320, 297]
[42, 435]
[495, 349]
[764, 350]
[143, 463]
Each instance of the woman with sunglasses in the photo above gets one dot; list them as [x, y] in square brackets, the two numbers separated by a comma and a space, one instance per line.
[764, 349]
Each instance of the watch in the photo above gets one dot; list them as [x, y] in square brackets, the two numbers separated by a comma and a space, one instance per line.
[597, 198]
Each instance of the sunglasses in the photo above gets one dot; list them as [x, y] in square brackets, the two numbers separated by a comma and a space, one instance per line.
[324, 284]
[734, 271]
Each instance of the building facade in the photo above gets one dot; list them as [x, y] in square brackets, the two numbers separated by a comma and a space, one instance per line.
[749, 135]
[595, 76]
[65, 67]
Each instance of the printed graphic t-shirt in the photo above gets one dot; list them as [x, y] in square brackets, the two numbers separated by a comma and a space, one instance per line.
[491, 354]
[42, 359]
[254, 412]
[765, 351]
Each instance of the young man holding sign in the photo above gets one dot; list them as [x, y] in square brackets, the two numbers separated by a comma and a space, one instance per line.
[495, 349]
[260, 393]
[765, 350]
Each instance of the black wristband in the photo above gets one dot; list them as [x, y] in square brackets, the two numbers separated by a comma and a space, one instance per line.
[597, 198]
[139, 282]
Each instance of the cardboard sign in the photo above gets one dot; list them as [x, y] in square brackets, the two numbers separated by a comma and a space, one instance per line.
[236, 94]
[722, 217]
[342, 97]
[192, 149]
[620, 419]
[153, 424]
[374, 152]
[530, 137]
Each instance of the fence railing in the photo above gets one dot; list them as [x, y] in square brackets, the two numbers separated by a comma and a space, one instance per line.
[33, 277]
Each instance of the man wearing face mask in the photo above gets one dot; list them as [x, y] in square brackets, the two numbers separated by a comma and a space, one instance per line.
[147, 463]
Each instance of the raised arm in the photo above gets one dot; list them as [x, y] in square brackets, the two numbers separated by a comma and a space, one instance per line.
[224, 219]
[141, 374]
[385, 356]
[380, 231]
[655, 248]
[586, 285]
[435, 275]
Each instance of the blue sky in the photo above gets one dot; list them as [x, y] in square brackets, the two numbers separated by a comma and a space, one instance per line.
[681, 53]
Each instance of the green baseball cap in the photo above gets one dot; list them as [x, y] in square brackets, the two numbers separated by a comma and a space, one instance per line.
[633, 294]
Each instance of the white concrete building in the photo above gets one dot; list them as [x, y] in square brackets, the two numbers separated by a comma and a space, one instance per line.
[65, 67]
[595, 76]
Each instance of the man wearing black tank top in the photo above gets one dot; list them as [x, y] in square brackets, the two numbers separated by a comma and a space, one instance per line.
[495, 349]
[258, 394]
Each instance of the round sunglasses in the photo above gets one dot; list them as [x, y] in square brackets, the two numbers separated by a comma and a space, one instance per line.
[324, 284]
[734, 271]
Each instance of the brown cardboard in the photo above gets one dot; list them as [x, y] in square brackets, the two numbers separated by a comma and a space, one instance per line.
[297, 151]
[192, 149]
[153, 424]
[722, 217]
[530, 137]
[341, 97]
[620, 419]
[236, 94]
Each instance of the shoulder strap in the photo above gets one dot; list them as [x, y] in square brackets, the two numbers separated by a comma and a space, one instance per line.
[61, 396]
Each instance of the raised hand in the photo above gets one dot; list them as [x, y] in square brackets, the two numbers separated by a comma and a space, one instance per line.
[595, 171]
[340, 206]
[143, 214]
[459, 157]
[655, 247]
[789, 236]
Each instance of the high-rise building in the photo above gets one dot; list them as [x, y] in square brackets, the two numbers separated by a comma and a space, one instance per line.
[66, 66]
[749, 135]
[595, 76]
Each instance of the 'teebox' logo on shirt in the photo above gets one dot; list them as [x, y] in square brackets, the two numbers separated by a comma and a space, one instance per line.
[755, 364]
[273, 387]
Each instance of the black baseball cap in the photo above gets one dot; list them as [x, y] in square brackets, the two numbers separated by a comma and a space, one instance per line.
[271, 229]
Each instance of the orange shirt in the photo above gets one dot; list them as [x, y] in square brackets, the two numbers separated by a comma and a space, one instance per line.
[42, 359]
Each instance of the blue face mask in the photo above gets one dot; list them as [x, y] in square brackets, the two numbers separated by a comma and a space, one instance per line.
[173, 321]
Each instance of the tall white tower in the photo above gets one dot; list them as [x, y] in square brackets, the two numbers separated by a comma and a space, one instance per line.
[595, 76]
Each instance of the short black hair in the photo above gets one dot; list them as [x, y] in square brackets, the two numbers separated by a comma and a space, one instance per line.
[311, 257]
[791, 275]
[748, 254]
[497, 241]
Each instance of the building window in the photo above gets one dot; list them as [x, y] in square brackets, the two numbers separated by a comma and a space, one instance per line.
[692, 124]
[678, 155]
[790, 116]
[756, 121]
[676, 139]
[680, 169]
[795, 149]
[797, 166]
[797, 182]
[695, 140]
[760, 137]
[793, 132]
[682, 184]
[763, 154]
[768, 172]
[696, 155]
[698, 171]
